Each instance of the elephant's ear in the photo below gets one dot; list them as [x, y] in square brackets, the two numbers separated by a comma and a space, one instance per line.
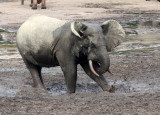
[78, 29]
[114, 34]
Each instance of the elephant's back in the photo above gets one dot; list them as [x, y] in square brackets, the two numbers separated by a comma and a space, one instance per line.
[37, 32]
[44, 22]
[39, 26]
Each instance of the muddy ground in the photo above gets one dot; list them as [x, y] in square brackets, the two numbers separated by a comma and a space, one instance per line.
[135, 65]
[136, 77]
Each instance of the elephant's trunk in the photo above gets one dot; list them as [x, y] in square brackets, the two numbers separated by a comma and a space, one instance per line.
[101, 61]
[104, 60]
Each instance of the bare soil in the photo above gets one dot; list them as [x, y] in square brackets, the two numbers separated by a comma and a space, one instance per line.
[136, 75]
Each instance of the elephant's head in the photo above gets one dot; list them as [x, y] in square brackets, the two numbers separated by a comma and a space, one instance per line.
[95, 41]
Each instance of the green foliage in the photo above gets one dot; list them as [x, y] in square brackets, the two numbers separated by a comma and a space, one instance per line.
[1, 37]
[132, 25]
[1, 30]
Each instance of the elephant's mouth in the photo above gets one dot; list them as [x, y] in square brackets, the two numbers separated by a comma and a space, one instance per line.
[92, 65]
[98, 68]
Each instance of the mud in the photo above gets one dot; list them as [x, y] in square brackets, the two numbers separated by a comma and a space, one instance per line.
[135, 65]
[136, 77]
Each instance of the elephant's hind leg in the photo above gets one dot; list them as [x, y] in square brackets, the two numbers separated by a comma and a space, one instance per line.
[35, 73]
[22, 2]
[40, 75]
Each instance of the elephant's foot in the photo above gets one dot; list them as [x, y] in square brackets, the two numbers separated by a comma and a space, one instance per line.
[31, 5]
[43, 7]
[34, 7]
[111, 89]
[39, 86]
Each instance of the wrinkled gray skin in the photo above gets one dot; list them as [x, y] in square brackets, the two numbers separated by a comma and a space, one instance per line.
[51, 42]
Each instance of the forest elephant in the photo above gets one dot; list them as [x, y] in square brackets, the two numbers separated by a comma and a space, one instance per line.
[35, 2]
[51, 42]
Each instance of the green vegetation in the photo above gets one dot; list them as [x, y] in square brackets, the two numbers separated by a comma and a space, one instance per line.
[8, 46]
[115, 4]
[8, 54]
[12, 59]
[141, 44]
[1, 30]
[131, 25]
[131, 32]
[1, 37]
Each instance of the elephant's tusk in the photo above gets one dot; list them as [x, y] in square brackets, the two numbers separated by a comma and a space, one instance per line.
[92, 69]
[110, 72]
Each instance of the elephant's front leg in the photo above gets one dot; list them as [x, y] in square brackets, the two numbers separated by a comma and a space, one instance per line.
[31, 3]
[69, 69]
[101, 81]
[34, 6]
[22, 2]
[43, 6]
